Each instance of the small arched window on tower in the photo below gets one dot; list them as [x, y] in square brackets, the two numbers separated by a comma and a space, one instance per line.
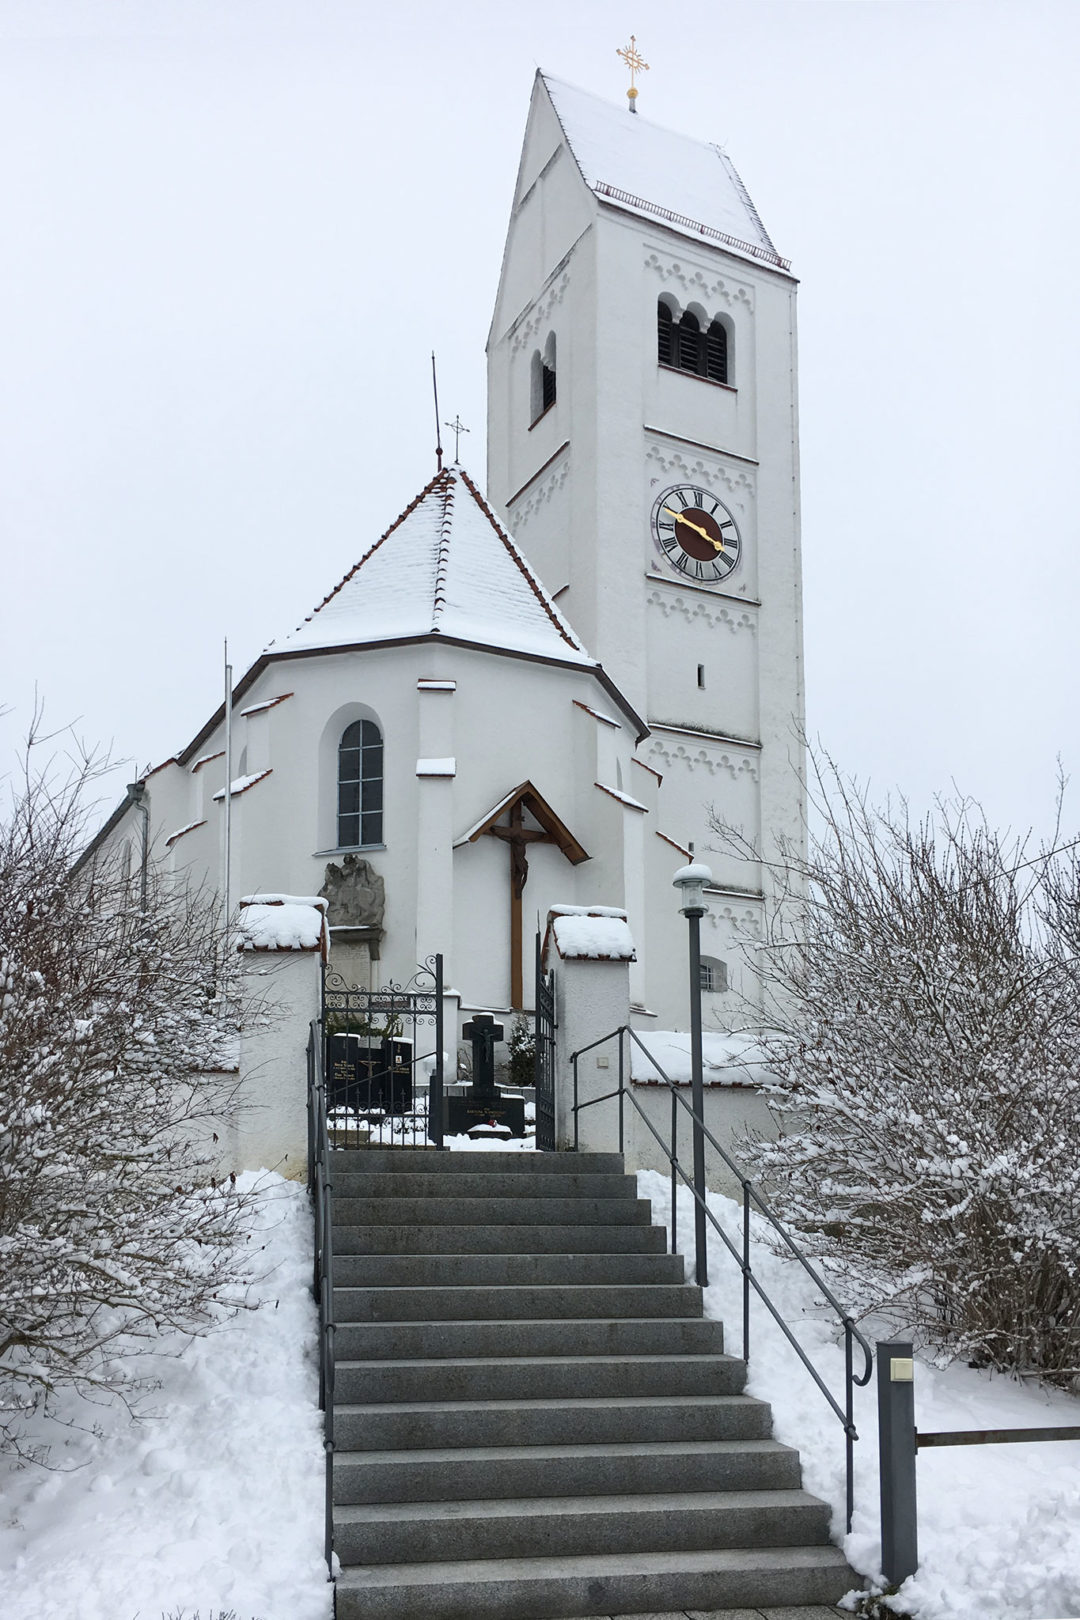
[360, 785]
[714, 974]
[542, 380]
[683, 345]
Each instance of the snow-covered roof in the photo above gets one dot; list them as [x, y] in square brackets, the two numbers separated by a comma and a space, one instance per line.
[627, 160]
[283, 922]
[447, 567]
[600, 933]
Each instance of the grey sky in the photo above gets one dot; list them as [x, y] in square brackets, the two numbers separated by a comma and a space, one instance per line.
[234, 229]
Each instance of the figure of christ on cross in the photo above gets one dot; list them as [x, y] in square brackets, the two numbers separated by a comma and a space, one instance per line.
[518, 837]
[549, 829]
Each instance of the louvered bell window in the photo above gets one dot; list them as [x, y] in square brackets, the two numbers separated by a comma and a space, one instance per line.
[360, 785]
[547, 386]
[716, 352]
[691, 355]
[664, 327]
[683, 345]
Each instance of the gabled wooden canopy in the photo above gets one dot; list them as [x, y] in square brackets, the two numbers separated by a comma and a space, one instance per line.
[527, 797]
[517, 837]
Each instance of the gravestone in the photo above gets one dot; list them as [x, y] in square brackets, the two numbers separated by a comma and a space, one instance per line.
[484, 1104]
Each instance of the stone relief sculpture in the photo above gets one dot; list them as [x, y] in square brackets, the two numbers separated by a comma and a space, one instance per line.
[356, 893]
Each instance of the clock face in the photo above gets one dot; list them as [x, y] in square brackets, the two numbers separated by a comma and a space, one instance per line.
[696, 533]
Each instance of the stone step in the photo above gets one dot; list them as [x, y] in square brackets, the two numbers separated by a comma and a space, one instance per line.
[501, 1184]
[600, 1420]
[626, 1336]
[497, 1270]
[525, 1210]
[541, 1303]
[537, 1377]
[497, 1239]
[463, 1474]
[612, 1583]
[425, 1532]
[407, 1161]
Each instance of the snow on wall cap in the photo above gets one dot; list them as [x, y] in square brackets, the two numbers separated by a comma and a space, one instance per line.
[205, 760]
[317, 900]
[587, 911]
[241, 784]
[436, 767]
[594, 933]
[283, 922]
[182, 832]
[267, 703]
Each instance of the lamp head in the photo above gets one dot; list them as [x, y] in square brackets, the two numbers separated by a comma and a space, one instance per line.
[691, 882]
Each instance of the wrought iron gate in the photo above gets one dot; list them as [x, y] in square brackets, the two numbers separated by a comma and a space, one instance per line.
[545, 1056]
[384, 1060]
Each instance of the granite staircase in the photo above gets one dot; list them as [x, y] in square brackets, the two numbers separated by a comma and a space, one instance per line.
[533, 1418]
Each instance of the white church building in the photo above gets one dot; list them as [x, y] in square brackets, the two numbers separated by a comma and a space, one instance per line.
[542, 693]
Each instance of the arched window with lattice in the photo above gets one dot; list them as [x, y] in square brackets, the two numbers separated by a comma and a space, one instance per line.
[360, 785]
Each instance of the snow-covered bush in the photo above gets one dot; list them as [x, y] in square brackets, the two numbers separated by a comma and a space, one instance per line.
[922, 998]
[115, 1028]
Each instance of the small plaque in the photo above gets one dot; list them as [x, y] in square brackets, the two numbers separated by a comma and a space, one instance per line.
[902, 1370]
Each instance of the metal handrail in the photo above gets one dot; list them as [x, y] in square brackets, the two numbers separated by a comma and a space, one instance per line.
[751, 1196]
[320, 1189]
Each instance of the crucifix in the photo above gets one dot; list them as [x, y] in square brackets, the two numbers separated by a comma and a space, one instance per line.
[519, 837]
[457, 428]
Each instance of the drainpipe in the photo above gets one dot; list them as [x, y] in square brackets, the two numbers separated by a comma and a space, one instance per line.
[138, 796]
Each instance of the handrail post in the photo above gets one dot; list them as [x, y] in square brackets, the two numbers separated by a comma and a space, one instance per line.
[674, 1166]
[896, 1424]
[435, 1084]
[746, 1270]
[698, 1094]
[575, 1102]
[622, 1082]
[849, 1424]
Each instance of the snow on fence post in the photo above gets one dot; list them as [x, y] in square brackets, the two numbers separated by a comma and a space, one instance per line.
[896, 1434]
[592, 998]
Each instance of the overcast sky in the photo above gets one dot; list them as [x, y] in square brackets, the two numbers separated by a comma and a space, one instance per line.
[234, 230]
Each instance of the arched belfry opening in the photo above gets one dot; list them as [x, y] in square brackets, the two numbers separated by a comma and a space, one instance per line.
[522, 818]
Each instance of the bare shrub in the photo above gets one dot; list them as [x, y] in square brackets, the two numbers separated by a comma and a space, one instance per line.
[116, 1030]
[922, 1010]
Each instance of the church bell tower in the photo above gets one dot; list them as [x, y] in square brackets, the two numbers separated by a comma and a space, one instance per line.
[643, 450]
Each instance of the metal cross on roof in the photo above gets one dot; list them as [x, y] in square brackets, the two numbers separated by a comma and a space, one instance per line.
[637, 64]
[457, 428]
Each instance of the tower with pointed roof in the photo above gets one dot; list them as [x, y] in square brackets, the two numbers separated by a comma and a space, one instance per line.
[642, 445]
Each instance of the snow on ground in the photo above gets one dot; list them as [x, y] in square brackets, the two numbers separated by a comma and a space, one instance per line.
[999, 1526]
[216, 1504]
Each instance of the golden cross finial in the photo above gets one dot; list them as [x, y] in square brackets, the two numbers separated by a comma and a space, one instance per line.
[637, 64]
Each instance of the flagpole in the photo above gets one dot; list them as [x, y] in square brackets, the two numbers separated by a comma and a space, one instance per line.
[226, 872]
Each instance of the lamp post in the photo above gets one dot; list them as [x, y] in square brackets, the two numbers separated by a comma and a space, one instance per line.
[690, 882]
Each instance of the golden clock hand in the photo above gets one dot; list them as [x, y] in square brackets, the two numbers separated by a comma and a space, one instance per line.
[717, 545]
